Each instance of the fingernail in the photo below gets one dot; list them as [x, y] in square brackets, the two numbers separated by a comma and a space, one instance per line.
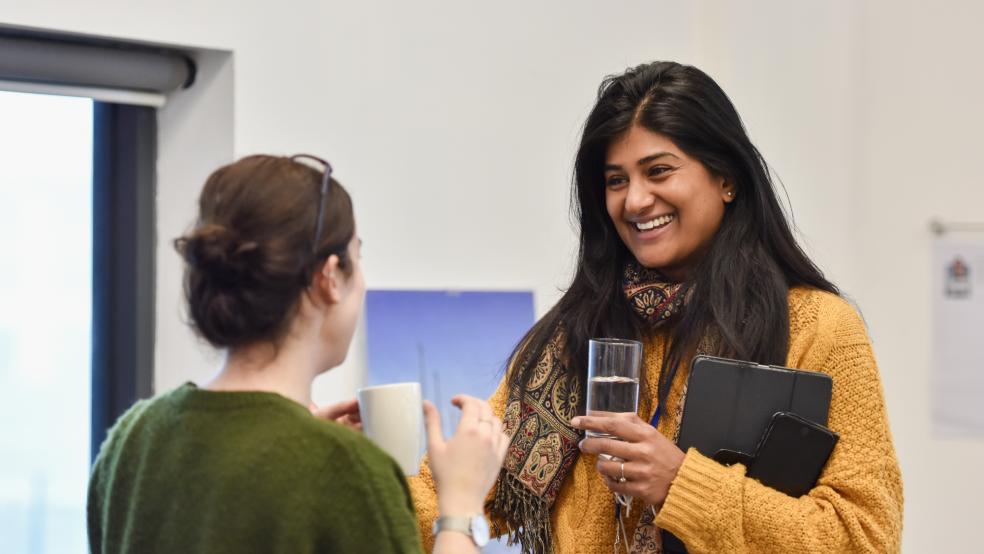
[576, 421]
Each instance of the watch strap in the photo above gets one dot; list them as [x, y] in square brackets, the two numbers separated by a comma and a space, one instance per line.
[461, 524]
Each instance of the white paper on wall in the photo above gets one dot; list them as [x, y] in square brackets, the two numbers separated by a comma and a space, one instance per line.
[958, 336]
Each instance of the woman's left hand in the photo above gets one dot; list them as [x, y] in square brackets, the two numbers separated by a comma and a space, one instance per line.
[649, 460]
[344, 413]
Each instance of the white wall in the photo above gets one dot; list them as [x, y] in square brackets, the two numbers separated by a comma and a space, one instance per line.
[454, 124]
[871, 114]
[922, 120]
[196, 136]
[787, 66]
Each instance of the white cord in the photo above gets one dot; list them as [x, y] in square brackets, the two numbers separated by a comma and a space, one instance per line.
[626, 502]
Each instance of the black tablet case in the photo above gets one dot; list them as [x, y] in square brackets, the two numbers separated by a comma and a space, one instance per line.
[730, 404]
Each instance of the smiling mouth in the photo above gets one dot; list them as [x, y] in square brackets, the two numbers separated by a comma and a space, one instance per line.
[659, 222]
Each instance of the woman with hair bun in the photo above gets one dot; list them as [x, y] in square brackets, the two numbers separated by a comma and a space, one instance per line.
[273, 277]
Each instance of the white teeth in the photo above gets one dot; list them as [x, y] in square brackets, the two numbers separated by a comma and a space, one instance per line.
[658, 222]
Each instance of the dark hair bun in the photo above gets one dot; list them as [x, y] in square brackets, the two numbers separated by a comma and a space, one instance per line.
[235, 301]
[219, 253]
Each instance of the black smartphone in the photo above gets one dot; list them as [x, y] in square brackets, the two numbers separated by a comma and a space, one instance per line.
[792, 454]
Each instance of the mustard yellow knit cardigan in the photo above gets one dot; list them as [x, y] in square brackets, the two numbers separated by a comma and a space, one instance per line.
[856, 505]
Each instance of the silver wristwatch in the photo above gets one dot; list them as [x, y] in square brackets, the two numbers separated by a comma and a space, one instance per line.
[474, 526]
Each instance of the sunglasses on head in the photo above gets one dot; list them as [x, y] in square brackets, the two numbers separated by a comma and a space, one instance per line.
[322, 199]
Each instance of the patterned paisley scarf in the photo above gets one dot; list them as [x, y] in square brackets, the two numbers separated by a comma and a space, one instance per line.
[544, 445]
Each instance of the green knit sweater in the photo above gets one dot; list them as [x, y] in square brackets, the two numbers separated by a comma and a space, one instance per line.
[204, 471]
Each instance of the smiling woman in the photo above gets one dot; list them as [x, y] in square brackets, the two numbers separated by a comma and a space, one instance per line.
[685, 247]
[665, 205]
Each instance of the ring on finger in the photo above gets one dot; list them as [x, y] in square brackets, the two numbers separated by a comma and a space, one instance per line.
[621, 470]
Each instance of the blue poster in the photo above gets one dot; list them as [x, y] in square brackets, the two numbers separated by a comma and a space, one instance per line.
[449, 342]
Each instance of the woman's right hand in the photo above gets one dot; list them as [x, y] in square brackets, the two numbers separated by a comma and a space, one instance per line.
[466, 465]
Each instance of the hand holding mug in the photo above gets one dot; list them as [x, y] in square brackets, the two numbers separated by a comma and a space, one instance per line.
[344, 413]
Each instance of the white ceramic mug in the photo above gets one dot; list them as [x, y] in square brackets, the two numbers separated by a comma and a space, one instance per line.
[392, 417]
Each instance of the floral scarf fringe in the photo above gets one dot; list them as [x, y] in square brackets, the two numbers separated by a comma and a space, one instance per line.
[544, 449]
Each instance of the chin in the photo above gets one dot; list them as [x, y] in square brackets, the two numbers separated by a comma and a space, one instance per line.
[334, 362]
[651, 261]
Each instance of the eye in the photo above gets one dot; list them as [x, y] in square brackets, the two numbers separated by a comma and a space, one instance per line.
[658, 170]
[615, 180]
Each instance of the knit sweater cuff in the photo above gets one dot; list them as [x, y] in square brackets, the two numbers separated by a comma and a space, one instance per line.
[694, 492]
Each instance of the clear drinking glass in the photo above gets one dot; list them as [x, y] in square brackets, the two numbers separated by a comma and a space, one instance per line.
[613, 377]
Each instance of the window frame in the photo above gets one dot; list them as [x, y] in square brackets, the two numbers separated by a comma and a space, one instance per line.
[124, 187]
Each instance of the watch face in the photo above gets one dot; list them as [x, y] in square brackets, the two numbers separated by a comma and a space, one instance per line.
[480, 531]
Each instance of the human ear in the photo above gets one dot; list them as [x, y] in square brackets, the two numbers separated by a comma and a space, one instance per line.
[728, 192]
[329, 280]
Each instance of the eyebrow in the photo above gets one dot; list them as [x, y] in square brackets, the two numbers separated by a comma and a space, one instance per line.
[643, 161]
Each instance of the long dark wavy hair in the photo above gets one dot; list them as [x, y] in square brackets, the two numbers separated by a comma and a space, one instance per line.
[739, 289]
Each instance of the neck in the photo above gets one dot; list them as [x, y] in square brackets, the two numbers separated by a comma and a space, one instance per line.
[287, 369]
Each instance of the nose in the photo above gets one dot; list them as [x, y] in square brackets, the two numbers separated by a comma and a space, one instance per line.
[638, 198]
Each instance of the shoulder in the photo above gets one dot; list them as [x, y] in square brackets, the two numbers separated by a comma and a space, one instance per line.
[819, 322]
[133, 416]
[352, 471]
[810, 307]
[123, 434]
[339, 450]
[131, 419]
[337, 437]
